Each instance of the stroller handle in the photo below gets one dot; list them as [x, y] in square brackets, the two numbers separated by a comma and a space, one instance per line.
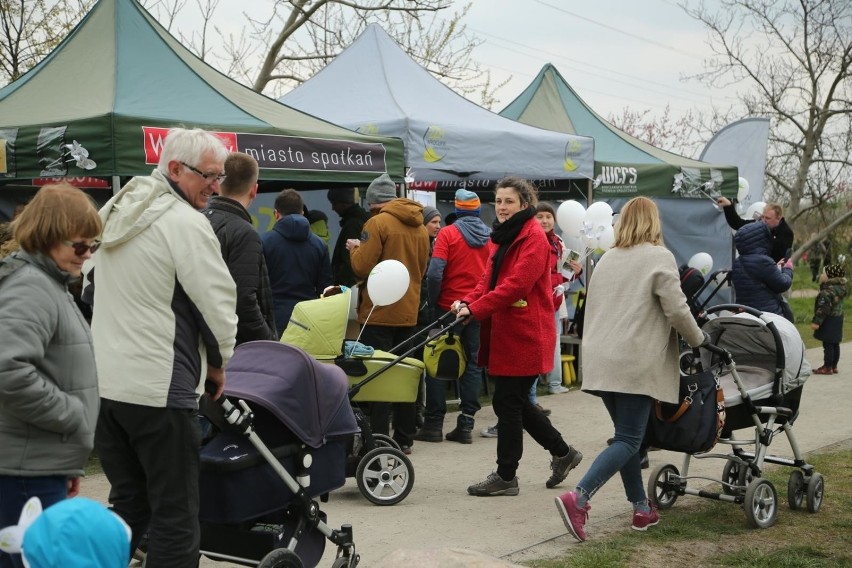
[723, 353]
[239, 418]
[738, 308]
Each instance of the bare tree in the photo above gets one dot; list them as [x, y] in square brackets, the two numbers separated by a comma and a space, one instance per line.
[793, 62]
[30, 29]
[682, 135]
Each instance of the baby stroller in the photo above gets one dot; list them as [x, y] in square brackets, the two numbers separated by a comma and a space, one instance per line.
[760, 361]
[384, 474]
[282, 444]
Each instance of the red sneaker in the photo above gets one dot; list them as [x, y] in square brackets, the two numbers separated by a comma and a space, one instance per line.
[823, 371]
[641, 521]
[573, 516]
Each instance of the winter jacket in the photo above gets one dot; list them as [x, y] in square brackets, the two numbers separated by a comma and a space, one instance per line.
[48, 380]
[243, 253]
[298, 263]
[634, 311]
[828, 310]
[458, 261]
[518, 334]
[782, 235]
[351, 224]
[756, 277]
[395, 232]
[164, 301]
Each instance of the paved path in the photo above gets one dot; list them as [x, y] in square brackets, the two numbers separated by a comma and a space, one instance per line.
[438, 513]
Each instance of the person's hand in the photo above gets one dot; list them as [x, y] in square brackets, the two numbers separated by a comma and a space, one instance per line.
[463, 312]
[576, 267]
[788, 264]
[814, 326]
[723, 201]
[352, 244]
[73, 487]
[559, 290]
[217, 377]
[707, 339]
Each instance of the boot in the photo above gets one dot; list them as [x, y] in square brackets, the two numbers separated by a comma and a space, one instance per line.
[460, 435]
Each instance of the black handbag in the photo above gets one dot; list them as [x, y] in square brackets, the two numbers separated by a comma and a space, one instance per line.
[695, 423]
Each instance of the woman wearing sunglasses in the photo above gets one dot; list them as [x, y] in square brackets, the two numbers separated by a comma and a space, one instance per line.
[48, 382]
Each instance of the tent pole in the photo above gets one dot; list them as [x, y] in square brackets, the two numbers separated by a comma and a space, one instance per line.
[116, 184]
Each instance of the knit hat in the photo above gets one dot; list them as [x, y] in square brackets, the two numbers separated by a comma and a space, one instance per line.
[346, 195]
[381, 190]
[428, 213]
[835, 271]
[467, 203]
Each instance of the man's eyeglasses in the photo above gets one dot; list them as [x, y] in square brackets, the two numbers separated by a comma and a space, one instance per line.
[82, 248]
[207, 177]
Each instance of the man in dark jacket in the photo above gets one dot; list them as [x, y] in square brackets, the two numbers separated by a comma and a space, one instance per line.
[298, 261]
[758, 280]
[352, 219]
[242, 249]
[773, 216]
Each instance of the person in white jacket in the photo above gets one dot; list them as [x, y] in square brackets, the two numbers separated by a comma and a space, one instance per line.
[164, 323]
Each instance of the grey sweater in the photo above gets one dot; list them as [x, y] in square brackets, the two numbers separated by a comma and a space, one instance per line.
[48, 381]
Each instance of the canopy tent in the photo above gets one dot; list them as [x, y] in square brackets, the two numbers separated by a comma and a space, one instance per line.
[117, 83]
[374, 87]
[626, 167]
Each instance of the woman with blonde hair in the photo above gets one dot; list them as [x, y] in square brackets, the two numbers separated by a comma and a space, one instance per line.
[48, 381]
[634, 311]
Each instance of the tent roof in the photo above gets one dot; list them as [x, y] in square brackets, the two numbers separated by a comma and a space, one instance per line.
[119, 62]
[550, 102]
[375, 87]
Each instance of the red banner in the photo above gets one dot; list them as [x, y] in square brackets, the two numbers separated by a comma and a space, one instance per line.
[155, 137]
[82, 182]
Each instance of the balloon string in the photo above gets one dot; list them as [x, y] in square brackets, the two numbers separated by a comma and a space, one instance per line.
[358, 339]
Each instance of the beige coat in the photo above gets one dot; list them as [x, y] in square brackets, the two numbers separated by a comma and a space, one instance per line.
[634, 306]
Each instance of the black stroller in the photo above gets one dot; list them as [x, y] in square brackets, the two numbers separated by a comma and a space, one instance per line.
[760, 361]
[283, 444]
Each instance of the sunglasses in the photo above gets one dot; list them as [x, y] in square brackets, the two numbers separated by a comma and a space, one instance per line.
[82, 248]
[207, 177]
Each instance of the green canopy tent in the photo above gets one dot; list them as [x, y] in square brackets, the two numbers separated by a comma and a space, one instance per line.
[626, 167]
[100, 104]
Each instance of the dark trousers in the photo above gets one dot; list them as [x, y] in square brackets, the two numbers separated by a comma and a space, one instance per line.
[151, 459]
[515, 413]
[830, 354]
[385, 337]
[15, 491]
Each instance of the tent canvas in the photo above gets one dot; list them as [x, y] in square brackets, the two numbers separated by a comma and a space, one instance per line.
[626, 167]
[118, 81]
[374, 87]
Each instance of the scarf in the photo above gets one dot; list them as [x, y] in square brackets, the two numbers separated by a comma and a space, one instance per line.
[504, 234]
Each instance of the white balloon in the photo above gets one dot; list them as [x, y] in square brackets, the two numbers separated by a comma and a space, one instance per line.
[569, 216]
[702, 262]
[742, 189]
[755, 210]
[598, 213]
[607, 238]
[388, 282]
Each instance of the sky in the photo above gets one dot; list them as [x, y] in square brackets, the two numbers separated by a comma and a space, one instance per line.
[614, 53]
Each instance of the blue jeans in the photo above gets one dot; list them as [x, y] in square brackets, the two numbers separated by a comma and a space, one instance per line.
[15, 492]
[470, 384]
[629, 413]
[554, 377]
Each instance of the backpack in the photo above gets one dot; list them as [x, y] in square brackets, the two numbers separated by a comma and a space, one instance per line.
[444, 357]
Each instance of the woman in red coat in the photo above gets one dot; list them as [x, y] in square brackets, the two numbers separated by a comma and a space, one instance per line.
[514, 304]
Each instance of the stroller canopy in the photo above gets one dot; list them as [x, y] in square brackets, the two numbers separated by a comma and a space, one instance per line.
[769, 342]
[310, 398]
[319, 326]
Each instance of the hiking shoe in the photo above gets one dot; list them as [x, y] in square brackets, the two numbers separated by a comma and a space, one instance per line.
[490, 432]
[494, 485]
[573, 516]
[823, 371]
[561, 466]
[558, 389]
[641, 521]
[545, 411]
[406, 450]
[429, 435]
[460, 436]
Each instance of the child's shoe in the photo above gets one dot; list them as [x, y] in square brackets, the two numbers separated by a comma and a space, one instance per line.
[834, 370]
[823, 371]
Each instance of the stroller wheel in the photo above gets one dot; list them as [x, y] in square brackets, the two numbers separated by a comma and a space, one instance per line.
[385, 441]
[816, 487]
[281, 558]
[761, 504]
[735, 476]
[796, 490]
[385, 476]
[664, 486]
